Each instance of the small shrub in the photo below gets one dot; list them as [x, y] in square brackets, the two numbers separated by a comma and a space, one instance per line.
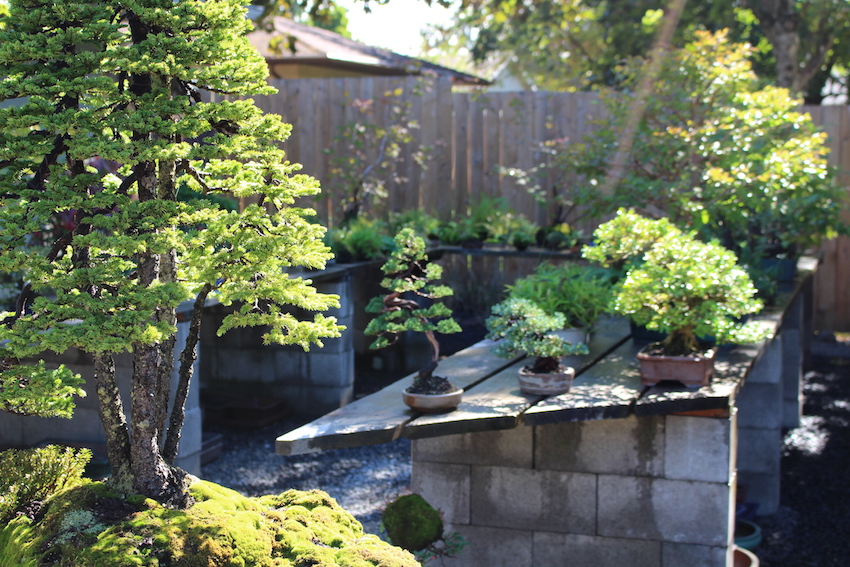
[34, 474]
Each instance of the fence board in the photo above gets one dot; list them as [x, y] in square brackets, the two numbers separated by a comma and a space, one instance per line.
[472, 134]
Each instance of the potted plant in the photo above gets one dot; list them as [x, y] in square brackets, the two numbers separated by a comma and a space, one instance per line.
[521, 327]
[579, 292]
[409, 279]
[687, 289]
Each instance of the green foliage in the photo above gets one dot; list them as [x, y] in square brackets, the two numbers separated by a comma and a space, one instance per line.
[367, 157]
[626, 238]
[580, 293]
[423, 224]
[158, 91]
[80, 528]
[521, 327]
[715, 153]
[360, 240]
[35, 474]
[412, 523]
[686, 288]
[409, 279]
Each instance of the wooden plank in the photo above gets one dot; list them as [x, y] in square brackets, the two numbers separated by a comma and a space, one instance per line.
[498, 403]
[439, 195]
[730, 369]
[606, 390]
[460, 149]
[380, 417]
[476, 164]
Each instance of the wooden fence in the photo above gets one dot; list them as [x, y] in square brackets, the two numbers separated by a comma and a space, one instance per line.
[470, 135]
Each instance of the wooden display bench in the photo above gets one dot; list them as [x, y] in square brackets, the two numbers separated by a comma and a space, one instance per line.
[611, 473]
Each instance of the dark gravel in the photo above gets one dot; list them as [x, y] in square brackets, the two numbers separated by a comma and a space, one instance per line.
[810, 529]
[812, 526]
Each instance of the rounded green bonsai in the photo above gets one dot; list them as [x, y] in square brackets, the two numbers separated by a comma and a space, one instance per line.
[521, 327]
[682, 286]
[409, 279]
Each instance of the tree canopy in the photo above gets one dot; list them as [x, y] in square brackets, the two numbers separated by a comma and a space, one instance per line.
[128, 83]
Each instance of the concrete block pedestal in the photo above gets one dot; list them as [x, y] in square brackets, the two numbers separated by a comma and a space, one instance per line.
[653, 491]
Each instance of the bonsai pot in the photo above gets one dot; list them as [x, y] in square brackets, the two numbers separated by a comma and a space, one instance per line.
[433, 403]
[747, 534]
[693, 371]
[546, 384]
[744, 558]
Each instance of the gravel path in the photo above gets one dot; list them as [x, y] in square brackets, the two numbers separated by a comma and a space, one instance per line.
[810, 529]
[362, 479]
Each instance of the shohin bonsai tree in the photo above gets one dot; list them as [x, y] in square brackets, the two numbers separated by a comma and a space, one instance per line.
[521, 327]
[409, 279]
[128, 82]
[684, 287]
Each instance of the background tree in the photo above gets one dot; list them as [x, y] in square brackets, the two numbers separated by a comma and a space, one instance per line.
[579, 44]
[123, 81]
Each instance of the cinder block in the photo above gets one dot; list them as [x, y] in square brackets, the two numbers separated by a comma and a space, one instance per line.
[759, 450]
[517, 498]
[762, 489]
[493, 547]
[290, 367]
[664, 510]
[239, 365]
[11, 430]
[84, 426]
[699, 448]
[330, 369]
[768, 369]
[190, 463]
[587, 446]
[792, 378]
[446, 487]
[508, 447]
[760, 405]
[683, 554]
[190, 435]
[591, 551]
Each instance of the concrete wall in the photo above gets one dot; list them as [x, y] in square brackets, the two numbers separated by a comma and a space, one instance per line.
[312, 383]
[655, 491]
[85, 426]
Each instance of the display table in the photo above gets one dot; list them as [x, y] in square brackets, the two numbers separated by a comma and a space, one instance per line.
[610, 473]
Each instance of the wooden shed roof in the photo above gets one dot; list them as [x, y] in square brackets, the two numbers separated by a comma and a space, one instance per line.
[289, 43]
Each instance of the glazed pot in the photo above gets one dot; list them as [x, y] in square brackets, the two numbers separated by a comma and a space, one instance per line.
[546, 384]
[433, 403]
[747, 534]
[744, 558]
[692, 371]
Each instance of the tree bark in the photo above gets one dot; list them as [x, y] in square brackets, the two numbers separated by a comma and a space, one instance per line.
[780, 23]
[111, 410]
[187, 360]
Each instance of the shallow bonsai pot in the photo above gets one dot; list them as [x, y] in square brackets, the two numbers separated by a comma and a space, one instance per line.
[546, 384]
[744, 558]
[433, 403]
[747, 534]
[692, 371]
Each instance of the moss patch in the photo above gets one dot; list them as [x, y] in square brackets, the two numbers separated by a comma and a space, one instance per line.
[87, 526]
[412, 523]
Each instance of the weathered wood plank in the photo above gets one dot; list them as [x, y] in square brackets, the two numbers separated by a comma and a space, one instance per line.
[606, 390]
[498, 403]
[379, 417]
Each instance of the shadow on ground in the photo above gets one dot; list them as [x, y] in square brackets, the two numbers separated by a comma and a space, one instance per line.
[812, 525]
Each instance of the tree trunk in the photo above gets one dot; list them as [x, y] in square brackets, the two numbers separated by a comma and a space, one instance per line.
[780, 23]
[112, 416]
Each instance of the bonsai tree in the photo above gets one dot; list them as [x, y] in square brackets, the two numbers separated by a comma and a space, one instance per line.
[578, 292]
[409, 279]
[521, 327]
[687, 288]
[128, 83]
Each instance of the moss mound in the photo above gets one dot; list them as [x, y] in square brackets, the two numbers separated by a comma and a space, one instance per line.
[87, 526]
[412, 523]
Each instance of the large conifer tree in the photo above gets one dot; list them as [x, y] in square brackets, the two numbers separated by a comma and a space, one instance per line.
[124, 82]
